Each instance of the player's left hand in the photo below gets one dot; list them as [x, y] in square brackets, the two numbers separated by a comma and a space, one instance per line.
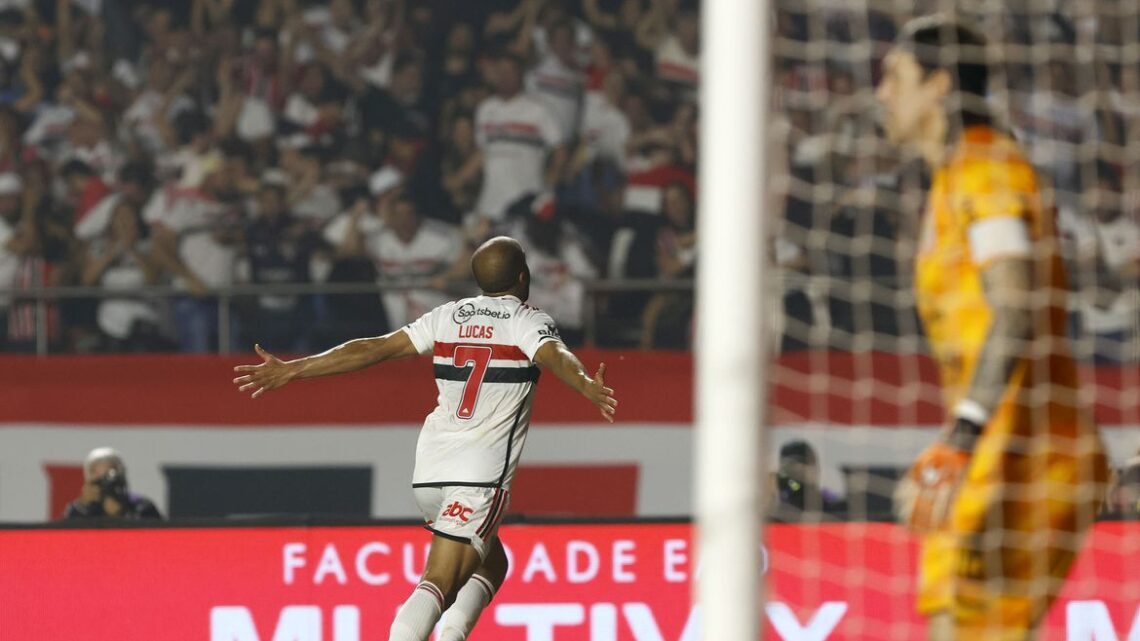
[270, 374]
[924, 497]
[600, 395]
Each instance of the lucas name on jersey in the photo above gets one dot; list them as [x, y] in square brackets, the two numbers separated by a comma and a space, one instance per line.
[476, 331]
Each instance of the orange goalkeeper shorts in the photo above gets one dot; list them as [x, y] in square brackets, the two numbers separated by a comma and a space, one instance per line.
[1017, 523]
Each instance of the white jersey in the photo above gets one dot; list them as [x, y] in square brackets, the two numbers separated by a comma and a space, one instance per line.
[431, 252]
[516, 135]
[483, 353]
[560, 88]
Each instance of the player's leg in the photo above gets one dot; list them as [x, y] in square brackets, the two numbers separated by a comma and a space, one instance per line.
[450, 563]
[475, 595]
[463, 520]
[1033, 529]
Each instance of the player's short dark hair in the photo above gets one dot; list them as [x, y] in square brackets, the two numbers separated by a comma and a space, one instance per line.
[798, 450]
[943, 43]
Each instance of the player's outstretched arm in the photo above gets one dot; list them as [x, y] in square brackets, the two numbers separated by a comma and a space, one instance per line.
[554, 356]
[347, 357]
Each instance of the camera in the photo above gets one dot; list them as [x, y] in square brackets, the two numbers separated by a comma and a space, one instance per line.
[791, 490]
[112, 484]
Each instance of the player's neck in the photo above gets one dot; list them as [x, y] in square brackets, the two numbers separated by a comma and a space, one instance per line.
[934, 145]
[509, 292]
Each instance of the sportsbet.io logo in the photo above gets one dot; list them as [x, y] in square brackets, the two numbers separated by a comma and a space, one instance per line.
[467, 311]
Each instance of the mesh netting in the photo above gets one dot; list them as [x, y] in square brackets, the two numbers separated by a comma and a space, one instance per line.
[860, 386]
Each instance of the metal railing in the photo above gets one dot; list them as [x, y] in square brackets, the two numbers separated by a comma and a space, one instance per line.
[817, 289]
[42, 297]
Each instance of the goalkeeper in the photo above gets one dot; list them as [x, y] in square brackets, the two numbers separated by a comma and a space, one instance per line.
[1004, 497]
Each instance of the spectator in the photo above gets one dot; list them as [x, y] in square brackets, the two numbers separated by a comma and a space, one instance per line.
[340, 317]
[667, 316]
[521, 145]
[1103, 247]
[403, 246]
[263, 74]
[121, 260]
[44, 246]
[457, 63]
[675, 41]
[559, 264]
[402, 101]
[632, 254]
[462, 164]
[105, 492]
[13, 242]
[133, 188]
[10, 144]
[1124, 495]
[84, 187]
[193, 145]
[87, 141]
[556, 81]
[605, 128]
[278, 249]
[799, 496]
[622, 23]
[308, 195]
[301, 107]
[658, 158]
[195, 237]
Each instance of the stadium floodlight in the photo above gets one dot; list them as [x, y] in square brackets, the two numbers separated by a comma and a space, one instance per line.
[730, 355]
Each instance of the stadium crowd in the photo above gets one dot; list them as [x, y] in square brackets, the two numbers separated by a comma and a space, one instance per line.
[207, 143]
[851, 222]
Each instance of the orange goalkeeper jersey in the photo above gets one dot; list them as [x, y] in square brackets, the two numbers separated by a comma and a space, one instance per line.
[973, 210]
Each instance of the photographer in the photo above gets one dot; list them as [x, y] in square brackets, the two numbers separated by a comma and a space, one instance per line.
[105, 491]
[1124, 494]
[797, 494]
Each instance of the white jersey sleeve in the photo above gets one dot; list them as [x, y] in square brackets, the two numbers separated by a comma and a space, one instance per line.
[534, 328]
[424, 330]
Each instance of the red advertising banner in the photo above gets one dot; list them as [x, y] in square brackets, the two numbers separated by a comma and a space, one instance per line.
[567, 583]
[866, 388]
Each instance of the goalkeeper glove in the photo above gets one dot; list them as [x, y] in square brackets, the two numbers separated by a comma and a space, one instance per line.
[924, 497]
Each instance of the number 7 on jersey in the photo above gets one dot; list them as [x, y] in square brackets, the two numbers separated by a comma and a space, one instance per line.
[479, 356]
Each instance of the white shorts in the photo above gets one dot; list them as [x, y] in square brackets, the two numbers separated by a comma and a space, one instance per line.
[466, 514]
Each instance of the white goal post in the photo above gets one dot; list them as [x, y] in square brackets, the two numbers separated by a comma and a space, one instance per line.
[730, 347]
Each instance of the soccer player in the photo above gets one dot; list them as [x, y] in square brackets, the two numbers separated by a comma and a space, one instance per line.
[1004, 496]
[485, 351]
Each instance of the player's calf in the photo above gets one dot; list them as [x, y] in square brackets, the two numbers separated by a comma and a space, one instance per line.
[450, 564]
[475, 595]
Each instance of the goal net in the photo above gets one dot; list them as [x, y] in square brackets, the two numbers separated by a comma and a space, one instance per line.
[856, 391]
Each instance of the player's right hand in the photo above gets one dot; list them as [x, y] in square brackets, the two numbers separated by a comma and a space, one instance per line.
[270, 374]
[924, 497]
[600, 395]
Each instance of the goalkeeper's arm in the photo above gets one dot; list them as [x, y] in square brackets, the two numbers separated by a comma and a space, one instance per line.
[1008, 287]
